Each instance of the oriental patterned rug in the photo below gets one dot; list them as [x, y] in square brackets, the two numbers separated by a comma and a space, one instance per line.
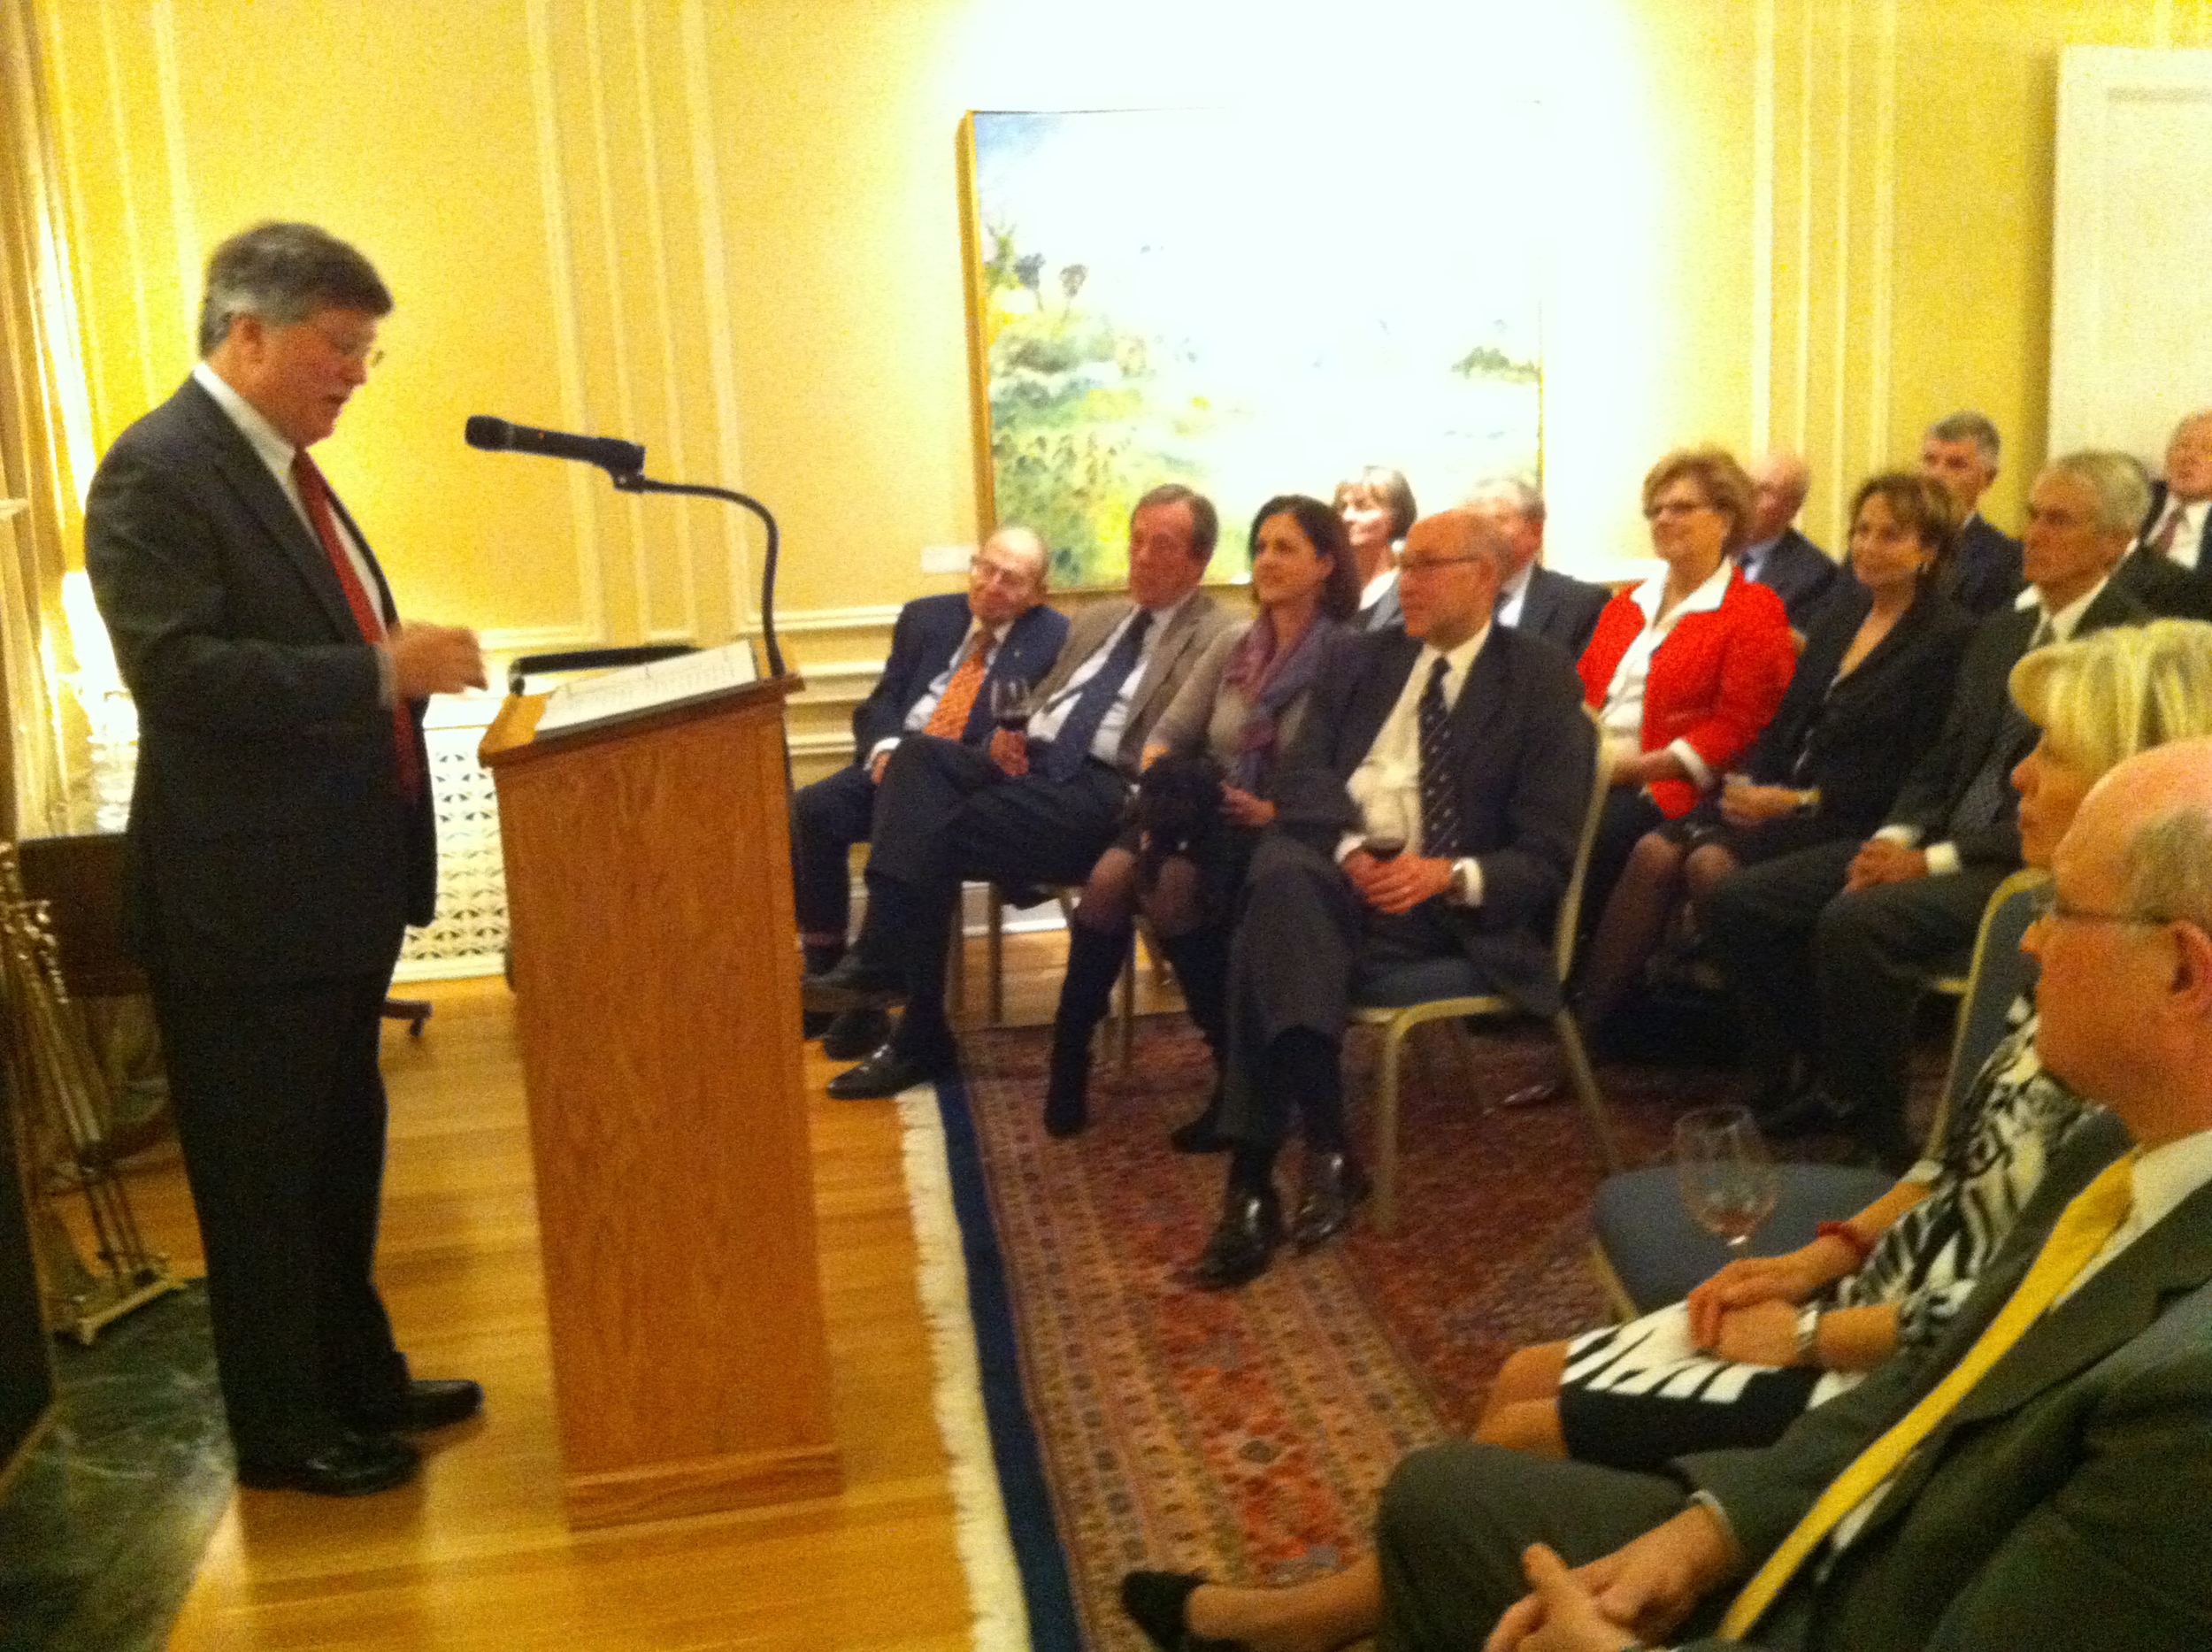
[1138, 1422]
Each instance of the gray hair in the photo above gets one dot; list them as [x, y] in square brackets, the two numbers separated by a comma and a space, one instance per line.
[2167, 867]
[1517, 492]
[1968, 425]
[2123, 493]
[284, 273]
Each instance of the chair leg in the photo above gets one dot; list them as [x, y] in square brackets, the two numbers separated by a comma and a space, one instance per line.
[1587, 1089]
[995, 950]
[957, 964]
[1126, 1028]
[1386, 1129]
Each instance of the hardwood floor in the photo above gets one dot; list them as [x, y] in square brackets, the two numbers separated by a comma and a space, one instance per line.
[475, 1554]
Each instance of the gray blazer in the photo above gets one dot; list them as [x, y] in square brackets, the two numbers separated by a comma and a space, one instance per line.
[1196, 625]
[2061, 1504]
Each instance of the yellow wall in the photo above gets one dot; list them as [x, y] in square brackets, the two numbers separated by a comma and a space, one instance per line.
[730, 231]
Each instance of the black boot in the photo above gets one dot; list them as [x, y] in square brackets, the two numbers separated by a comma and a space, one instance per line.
[1201, 962]
[820, 959]
[1094, 958]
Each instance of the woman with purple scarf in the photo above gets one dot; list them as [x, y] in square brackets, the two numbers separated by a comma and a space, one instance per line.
[1239, 706]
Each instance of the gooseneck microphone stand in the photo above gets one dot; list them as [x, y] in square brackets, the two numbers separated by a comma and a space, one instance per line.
[638, 482]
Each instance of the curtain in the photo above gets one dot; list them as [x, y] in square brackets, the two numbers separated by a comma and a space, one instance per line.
[45, 442]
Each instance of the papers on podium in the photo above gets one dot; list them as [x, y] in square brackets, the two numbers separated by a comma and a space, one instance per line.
[639, 688]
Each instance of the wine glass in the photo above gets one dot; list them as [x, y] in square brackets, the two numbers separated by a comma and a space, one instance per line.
[1729, 1182]
[1010, 703]
[1388, 827]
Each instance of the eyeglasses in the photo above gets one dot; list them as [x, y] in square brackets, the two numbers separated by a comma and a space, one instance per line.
[1676, 507]
[1429, 565]
[2048, 909]
[362, 351]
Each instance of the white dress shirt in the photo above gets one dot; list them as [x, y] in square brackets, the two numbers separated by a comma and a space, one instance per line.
[1106, 746]
[1386, 788]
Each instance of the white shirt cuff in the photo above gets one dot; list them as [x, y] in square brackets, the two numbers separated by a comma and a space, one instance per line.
[1346, 844]
[880, 747]
[1907, 836]
[1699, 773]
[1943, 858]
[1469, 864]
[387, 677]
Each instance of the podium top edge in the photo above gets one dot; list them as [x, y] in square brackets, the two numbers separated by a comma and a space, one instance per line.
[514, 733]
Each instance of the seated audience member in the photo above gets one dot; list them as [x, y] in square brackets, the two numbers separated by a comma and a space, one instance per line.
[1767, 1337]
[1961, 452]
[1039, 807]
[1776, 554]
[2168, 566]
[1867, 699]
[946, 652]
[1376, 506]
[1460, 743]
[1686, 670]
[1535, 599]
[2032, 1476]
[1829, 947]
[1241, 705]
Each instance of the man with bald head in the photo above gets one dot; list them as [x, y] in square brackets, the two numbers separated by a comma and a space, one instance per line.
[2051, 1492]
[1534, 599]
[1428, 810]
[2171, 564]
[1778, 555]
[946, 652]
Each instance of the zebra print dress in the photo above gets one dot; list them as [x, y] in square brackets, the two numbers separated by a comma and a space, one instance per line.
[1635, 1396]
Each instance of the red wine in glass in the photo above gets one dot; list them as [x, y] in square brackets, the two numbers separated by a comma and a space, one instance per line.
[1383, 845]
[1009, 703]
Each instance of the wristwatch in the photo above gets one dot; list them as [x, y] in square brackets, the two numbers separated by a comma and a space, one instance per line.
[1807, 1336]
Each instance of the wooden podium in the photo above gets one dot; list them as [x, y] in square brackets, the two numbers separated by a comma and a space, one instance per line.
[649, 888]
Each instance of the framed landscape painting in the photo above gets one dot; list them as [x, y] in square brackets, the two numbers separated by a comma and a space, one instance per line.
[1248, 306]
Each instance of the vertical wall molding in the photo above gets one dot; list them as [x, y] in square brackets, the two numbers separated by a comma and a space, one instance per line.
[1839, 368]
[1763, 229]
[184, 220]
[721, 333]
[567, 327]
[1802, 391]
[1884, 255]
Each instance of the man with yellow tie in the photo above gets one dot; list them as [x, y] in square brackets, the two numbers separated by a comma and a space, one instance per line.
[2041, 1477]
[946, 652]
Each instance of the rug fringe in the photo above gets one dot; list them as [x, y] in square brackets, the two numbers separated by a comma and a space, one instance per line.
[986, 1552]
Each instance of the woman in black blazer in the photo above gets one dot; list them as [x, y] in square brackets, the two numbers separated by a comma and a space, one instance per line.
[1867, 696]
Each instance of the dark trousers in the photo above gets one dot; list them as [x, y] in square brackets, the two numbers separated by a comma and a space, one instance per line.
[827, 819]
[1836, 977]
[1454, 1519]
[944, 815]
[280, 1112]
[1303, 940]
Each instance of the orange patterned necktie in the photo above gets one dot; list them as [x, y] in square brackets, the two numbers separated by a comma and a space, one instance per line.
[950, 719]
[315, 495]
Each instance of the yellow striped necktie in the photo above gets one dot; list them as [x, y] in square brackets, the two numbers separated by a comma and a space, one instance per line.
[2079, 1234]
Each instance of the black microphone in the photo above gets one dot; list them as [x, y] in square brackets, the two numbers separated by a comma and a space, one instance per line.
[497, 435]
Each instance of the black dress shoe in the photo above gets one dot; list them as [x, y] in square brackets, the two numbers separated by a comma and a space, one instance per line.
[1066, 1114]
[851, 984]
[1543, 1092]
[884, 1073]
[1157, 1602]
[425, 1402]
[1811, 1113]
[814, 1023]
[1332, 1184]
[1203, 1134]
[352, 1466]
[1243, 1241]
[852, 1035]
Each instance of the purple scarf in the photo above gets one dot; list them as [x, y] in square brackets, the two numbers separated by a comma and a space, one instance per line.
[1270, 679]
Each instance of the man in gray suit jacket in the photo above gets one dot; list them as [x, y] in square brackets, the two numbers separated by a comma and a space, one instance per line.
[2058, 1500]
[1041, 812]
[1534, 599]
[279, 843]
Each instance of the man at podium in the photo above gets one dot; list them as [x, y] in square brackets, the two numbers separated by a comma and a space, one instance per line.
[1039, 806]
[280, 840]
[947, 653]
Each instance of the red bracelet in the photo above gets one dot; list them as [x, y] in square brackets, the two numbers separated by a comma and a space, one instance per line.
[1861, 1249]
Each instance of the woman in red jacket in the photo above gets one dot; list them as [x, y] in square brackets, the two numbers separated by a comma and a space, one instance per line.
[1683, 671]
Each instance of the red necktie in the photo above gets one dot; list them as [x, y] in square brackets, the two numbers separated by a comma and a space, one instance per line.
[315, 495]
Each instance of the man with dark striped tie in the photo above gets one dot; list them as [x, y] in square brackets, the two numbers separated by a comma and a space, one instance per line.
[2037, 1478]
[1429, 809]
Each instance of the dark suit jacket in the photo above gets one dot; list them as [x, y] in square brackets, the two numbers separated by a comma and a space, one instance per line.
[2062, 1504]
[1195, 627]
[1802, 574]
[2163, 585]
[1981, 715]
[923, 642]
[1522, 750]
[1563, 608]
[1382, 614]
[2158, 509]
[267, 839]
[1985, 568]
[1857, 739]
